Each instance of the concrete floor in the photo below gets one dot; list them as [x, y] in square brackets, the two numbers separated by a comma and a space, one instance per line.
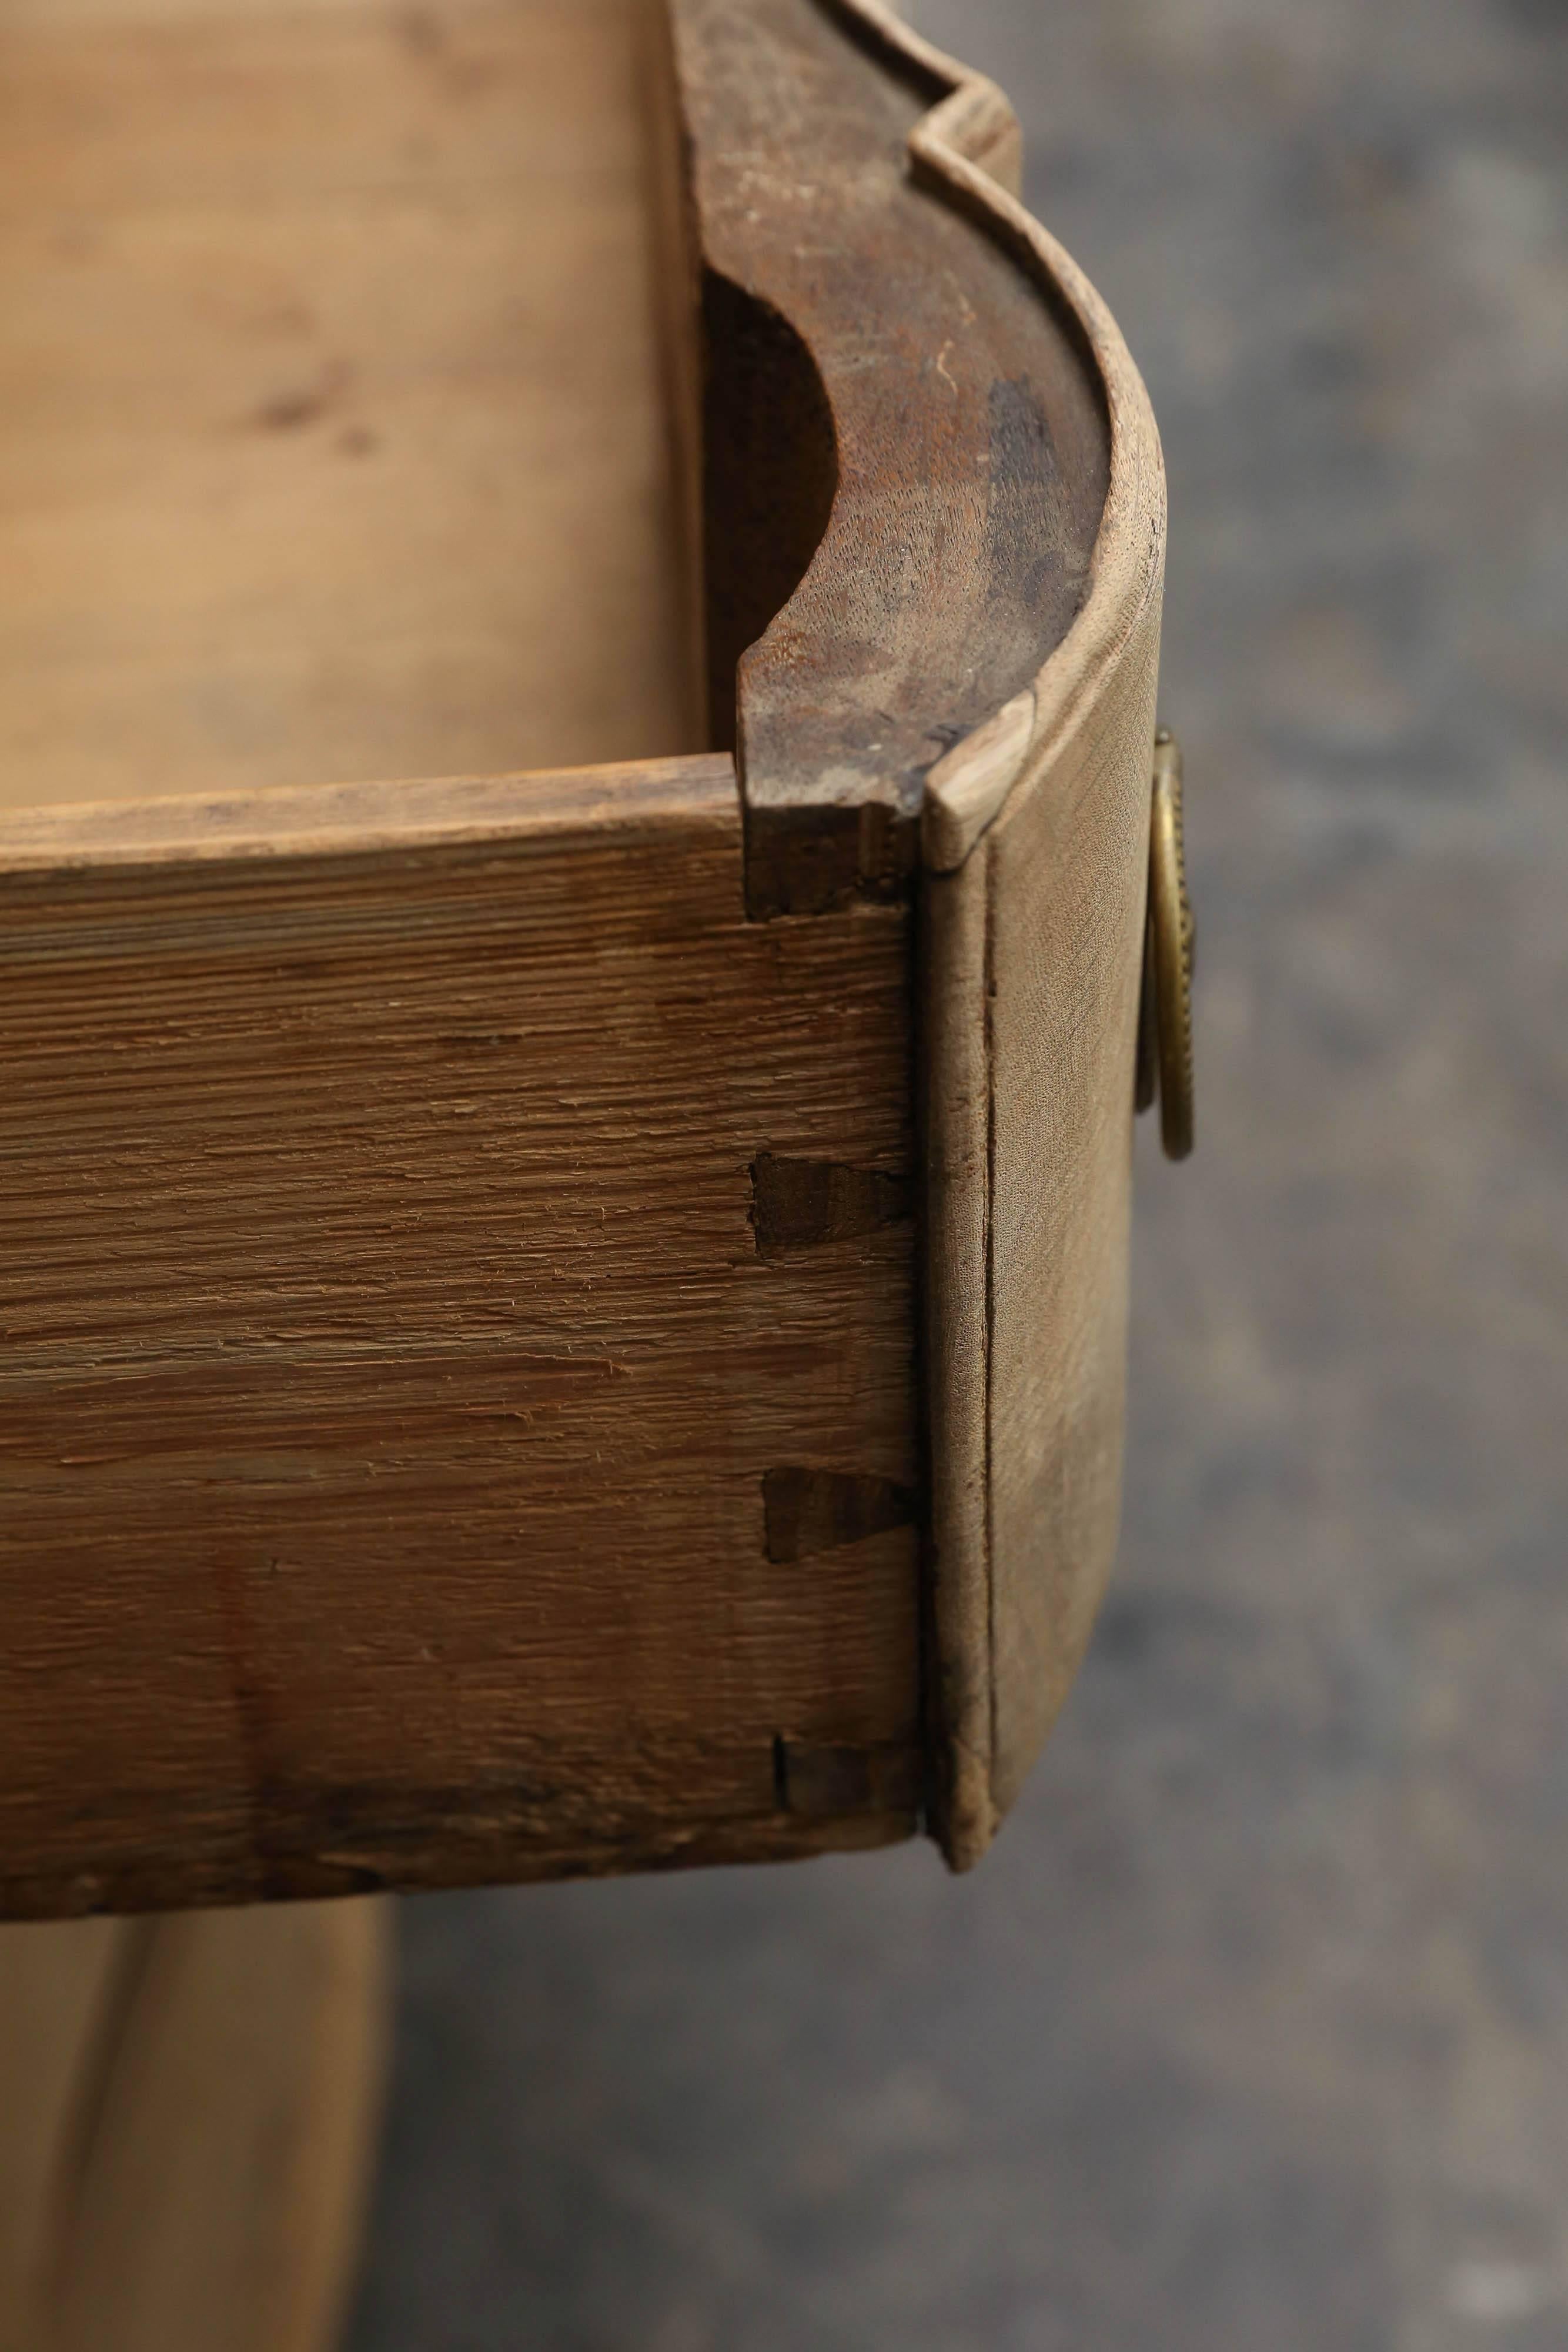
[1254, 2030]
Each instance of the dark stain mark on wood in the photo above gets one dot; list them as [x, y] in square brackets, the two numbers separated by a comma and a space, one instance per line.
[827, 1782]
[289, 412]
[355, 1839]
[800, 1204]
[807, 1511]
[1033, 569]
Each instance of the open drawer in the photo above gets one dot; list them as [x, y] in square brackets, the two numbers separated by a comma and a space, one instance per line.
[569, 1316]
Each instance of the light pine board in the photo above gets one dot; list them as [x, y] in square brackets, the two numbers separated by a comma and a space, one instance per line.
[186, 2113]
[331, 438]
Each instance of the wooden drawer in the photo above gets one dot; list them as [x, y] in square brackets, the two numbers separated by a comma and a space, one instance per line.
[567, 1317]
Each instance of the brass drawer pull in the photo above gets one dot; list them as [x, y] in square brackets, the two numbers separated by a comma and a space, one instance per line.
[1165, 1008]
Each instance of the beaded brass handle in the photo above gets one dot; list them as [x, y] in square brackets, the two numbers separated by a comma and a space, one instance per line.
[1165, 1008]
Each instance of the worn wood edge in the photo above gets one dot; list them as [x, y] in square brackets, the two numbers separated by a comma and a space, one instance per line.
[481, 1857]
[967, 788]
[959, 1111]
[918, 627]
[967, 147]
[295, 820]
[971, 119]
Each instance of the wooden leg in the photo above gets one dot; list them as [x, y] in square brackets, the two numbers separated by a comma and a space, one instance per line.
[187, 2112]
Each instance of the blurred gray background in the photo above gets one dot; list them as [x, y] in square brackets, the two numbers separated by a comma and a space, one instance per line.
[1253, 2032]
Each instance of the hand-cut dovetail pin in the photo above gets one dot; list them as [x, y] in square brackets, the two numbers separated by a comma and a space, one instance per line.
[1165, 1007]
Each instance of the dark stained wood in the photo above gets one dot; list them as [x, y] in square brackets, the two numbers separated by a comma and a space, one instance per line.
[882, 345]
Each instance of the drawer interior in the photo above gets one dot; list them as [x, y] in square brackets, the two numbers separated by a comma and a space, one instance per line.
[458, 1260]
[331, 437]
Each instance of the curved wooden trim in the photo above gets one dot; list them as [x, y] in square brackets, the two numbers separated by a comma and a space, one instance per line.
[1051, 791]
[925, 679]
[970, 437]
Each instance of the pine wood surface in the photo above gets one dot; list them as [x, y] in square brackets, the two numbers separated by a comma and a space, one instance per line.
[186, 2110]
[463, 1403]
[331, 438]
[393, 1370]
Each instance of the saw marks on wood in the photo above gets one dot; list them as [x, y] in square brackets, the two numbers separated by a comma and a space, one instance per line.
[395, 1392]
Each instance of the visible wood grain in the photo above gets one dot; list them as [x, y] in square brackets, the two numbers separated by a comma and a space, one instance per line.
[331, 442]
[393, 1376]
[187, 2111]
[1035, 838]
[875, 348]
[57, 1997]
[218, 2194]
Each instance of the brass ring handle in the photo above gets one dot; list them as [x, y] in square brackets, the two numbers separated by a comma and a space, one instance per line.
[1165, 1008]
